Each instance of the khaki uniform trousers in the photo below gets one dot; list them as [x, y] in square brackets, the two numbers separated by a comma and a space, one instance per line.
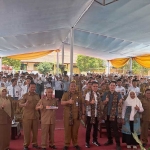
[47, 131]
[30, 125]
[144, 131]
[5, 136]
[71, 132]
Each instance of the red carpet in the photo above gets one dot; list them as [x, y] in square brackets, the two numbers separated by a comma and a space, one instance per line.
[59, 138]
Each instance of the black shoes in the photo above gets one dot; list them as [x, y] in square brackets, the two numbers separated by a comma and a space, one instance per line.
[108, 143]
[53, 147]
[25, 148]
[96, 143]
[65, 148]
[87, 145]
[118, 147]
[144, 144]
[77, 147]
[36, 146]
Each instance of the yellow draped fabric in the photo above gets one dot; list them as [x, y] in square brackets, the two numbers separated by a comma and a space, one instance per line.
[33, 55]
[143, 60]
[119, 62]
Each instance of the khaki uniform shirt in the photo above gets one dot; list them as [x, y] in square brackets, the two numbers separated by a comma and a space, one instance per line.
[77, 97]
[146, 107]
[48, 115]
[86, 91]
[29, 112]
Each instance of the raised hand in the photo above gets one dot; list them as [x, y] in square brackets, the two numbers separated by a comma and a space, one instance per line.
[107, 99]
[3, 105]
[137, 108]
[71, 101]
[92, 102]
[41, 106]
[27, 103]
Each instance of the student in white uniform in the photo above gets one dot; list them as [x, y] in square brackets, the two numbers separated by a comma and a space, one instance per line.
[25, 87]
[134, 87]
[65, 83]
[58, 88]
[8, 82]
[120, 88]
[14, 90]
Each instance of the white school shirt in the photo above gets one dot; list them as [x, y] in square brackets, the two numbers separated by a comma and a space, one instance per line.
[17, 92]
[121, 90]
[58, 85]
[88, 108]
[135, 89]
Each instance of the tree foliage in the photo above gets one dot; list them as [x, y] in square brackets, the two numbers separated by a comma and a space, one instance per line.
[136, 68]
[62, 68]
[11, 62]
[45, 67]
[86, 63]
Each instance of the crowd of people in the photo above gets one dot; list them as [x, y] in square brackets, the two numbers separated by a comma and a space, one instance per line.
[92, 98]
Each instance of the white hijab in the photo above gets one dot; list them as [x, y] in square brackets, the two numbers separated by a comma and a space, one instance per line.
[131, 102]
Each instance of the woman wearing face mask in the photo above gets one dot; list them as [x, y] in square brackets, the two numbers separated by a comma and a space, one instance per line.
[6, 116]
[131, 110]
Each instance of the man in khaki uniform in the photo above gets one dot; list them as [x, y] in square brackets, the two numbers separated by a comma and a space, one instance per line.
[145, 117]
[30, 116]
[73, 111]
[48, 118]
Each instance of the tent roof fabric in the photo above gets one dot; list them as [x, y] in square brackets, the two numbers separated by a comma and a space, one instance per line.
[118, 30]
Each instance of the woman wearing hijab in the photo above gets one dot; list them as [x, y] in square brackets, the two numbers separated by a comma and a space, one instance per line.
[6, 116]
[131, 110]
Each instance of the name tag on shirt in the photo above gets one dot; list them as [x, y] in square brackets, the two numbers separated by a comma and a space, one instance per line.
[51, 107]
[77, 104]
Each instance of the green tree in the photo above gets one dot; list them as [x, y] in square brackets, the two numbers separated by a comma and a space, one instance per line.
[62, 68]
[86, 63]
[11, 62]
[136, 68]
[45, 67]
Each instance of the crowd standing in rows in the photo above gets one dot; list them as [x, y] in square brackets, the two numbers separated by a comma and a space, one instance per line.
[92, 98]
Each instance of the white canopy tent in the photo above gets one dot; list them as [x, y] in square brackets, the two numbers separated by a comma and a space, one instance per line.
[118, 30]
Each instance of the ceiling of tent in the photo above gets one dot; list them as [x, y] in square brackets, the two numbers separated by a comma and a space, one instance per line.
[120, 29]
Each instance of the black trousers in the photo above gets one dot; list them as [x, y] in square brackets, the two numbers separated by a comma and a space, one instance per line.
[89, 127]
[128, 138]
[114, 126]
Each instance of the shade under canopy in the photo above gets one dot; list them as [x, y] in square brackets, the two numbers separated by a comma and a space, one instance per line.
[118, 30]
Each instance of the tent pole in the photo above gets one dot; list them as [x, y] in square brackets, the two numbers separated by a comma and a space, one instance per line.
[0, 64]
[130, 67]
[82, 14]
[57, 62]
[71, 52]
[108, 67]
[62, 53]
